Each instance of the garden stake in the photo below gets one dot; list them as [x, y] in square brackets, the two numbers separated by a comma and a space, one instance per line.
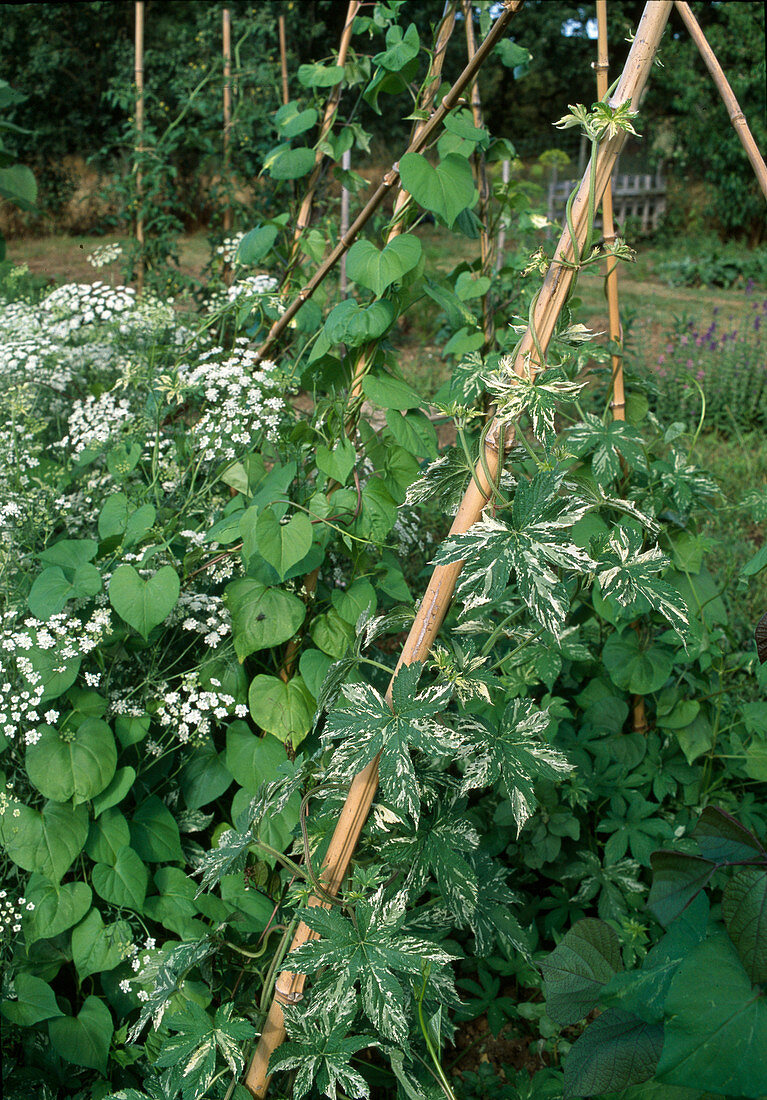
[430, 89]
[737, 118]
[305, 212]
[283, 61]
[445, 29]
[139, 79]
[510, 9]
[618, 401]
[434, 605]
[501, 245]
[483, 183]
[227, 51]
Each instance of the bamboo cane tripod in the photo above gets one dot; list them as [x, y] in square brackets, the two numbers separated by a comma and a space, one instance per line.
[433, 607]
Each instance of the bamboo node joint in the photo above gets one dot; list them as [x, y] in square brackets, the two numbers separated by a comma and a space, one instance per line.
[288, 997]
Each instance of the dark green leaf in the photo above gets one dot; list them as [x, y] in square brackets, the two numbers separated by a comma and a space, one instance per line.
[615, 1051]
[575, 972]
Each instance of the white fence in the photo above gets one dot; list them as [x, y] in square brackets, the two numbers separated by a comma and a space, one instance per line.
[641, 198]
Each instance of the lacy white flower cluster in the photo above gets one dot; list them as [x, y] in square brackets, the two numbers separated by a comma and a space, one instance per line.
[203, 614]
[95, 420]
[11, 912]
[241, 398]
[191, 711]
[74, 304]
[228, 248]
[250, 289]
[64, 638]
[139, 958]
[105, 254]
[252, 286]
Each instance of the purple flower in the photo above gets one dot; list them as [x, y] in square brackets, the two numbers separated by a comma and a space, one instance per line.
[689, 364]
[750, 286]
[700, 374]
[684, 341]
[661, 359]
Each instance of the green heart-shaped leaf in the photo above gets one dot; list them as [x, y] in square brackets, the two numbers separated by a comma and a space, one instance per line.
[284, 163]
[73, 764]
[255, 245]
[347, 323]
[251, 759]
[284, 709]
[56, 907]
[106, 836]
[154, 832]
[125, 883]
[446, 189]
[389, 393]
[83, 1040]
[337, 463]
[261, 616]
[35, 1001]
[143, 604]
[47, 841]
[97, 946]
[283, 545]
[116, 791]
[376, 269]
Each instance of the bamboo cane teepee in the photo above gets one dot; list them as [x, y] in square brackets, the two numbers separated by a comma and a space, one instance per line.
[554, 292]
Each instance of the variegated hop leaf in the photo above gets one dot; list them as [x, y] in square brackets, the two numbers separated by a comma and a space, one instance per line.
[493, 921]
[272, 797]
[165, 972]
[532, 543]
[538, 395]
[192, 1053]
[320, 1048]
[367, 726]
[626, 573]
[439, 848]
[372, 953]
[514, 755]
[443, 482]
[607, 444]
[685, 484]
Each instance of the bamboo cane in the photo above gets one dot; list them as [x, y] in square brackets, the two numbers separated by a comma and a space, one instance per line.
[511, 7]
[500, 247]
[139, 79]
[431, 86]
[283, 60]
[737, 118]
[445, 29]
[433, 607]
[608, 232]
[618, 400]
[227, 54]
[305, 211]
[483, 183]
[346, 163]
